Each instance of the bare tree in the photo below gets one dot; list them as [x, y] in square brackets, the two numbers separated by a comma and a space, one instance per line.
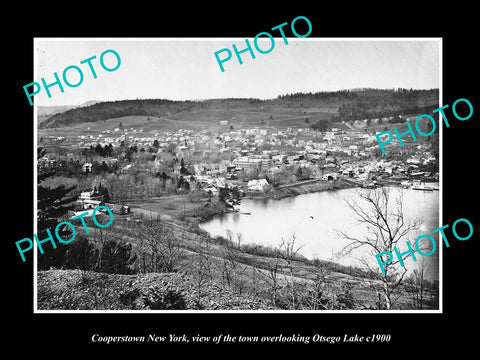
[100, 237]
[255, 278]
[289, 251]
[372, 281]
[316, 295]
[386, 227]
[104, 250]
[416, 285]
[273, 268]
[231, 267]
[285, 254]
[158, 243]
[239, 239]
[202, 268]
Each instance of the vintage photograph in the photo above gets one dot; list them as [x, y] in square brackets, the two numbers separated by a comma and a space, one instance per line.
[167, 184]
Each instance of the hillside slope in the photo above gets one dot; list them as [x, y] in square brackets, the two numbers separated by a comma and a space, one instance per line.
[81, 290]
[343, 105]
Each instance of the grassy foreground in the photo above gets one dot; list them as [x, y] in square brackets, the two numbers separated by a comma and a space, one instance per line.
[81, 290]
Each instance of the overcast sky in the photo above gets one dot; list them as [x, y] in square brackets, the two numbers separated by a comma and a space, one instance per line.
[186, 69]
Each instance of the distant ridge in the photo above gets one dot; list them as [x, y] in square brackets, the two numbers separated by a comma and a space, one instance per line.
[88, 103]
[350, 104]
[56, 109]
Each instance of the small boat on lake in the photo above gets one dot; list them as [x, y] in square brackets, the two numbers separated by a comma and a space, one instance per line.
[422, 187]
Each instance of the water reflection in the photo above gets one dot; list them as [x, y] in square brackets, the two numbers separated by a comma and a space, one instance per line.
[316, 218]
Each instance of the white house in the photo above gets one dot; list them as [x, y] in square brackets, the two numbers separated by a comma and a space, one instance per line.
[328, 177]
[90, 204]
[257, 185]
[363, 176]
[413, 160]
[87, 195]
[87, 167]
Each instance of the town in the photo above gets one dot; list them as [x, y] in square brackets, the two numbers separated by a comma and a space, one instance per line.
[253, 161]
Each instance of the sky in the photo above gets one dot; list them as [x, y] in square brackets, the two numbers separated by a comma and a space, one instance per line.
[186, 69]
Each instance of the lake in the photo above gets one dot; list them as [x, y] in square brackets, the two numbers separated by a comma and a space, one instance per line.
[315, 219]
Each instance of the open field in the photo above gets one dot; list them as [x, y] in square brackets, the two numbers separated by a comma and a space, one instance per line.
[183, 207]
[149, 125]
[199, 119]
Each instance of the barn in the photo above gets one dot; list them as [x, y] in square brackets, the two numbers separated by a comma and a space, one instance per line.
[119, 209]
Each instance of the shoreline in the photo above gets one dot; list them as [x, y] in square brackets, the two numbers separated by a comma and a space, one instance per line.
[279, 194]
[302, 188]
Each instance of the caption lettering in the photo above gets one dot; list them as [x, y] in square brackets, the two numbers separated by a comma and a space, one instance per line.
[228, 338]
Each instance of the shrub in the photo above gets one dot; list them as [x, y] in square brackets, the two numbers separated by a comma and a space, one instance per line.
[130, 298]
[159, 299]
[345, 297]
[81, 254]
[116, 258]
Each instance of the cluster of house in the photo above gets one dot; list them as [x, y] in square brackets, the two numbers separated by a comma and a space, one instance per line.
[211, 184]
[89, 200]
[255, 151]
[365, 170]
[46, 162]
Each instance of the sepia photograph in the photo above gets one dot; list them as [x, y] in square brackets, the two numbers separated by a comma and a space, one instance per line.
[305, 179]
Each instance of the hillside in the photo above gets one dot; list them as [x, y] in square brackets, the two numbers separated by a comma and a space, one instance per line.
[51, 110]
[45, 112]
[282, 111]
[83, 290]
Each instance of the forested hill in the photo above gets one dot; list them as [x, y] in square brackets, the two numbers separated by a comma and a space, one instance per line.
[371, 103]
[350, 104]
[113, 109]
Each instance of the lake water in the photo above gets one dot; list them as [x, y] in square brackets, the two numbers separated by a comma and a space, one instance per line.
[315, 219]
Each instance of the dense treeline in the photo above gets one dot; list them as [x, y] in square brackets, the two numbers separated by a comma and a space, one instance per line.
[349, 112]
[113, 109]
[373, 103]
[404, 96]
[364, 103]
[321, 125]
[321, 95]
[386, 104]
